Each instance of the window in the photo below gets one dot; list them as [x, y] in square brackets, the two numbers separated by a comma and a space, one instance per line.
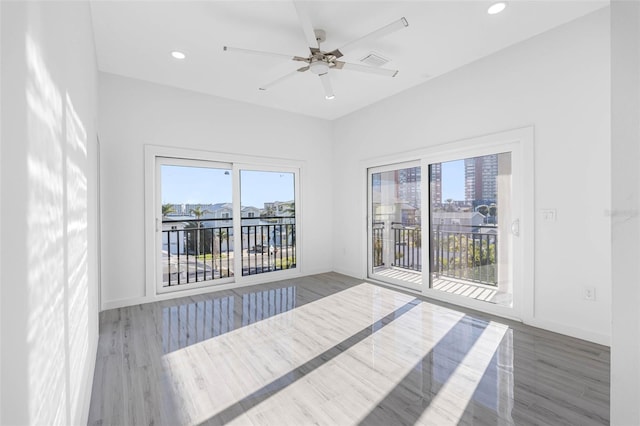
[459, 238]
[269, 245]
[470, 241]
[395, 241]
[195, 247]
[193, 240]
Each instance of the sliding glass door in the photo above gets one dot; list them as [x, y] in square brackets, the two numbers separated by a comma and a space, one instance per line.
[470, 234]
[395, 233]
[220, 223]
[269, 230]
[196, 235]
[457, 237]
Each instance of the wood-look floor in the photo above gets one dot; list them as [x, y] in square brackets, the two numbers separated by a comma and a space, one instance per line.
[329, 349]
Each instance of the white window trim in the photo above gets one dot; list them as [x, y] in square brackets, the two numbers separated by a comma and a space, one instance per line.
[238, 162]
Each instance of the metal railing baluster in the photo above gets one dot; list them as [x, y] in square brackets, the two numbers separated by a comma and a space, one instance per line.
[200, 241]
[462, 255]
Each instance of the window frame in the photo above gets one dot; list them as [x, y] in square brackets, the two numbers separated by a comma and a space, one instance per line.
[152, 212]
[520, 142]
[379, 170]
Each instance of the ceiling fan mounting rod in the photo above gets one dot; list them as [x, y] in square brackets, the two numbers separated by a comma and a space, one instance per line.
[321, 35]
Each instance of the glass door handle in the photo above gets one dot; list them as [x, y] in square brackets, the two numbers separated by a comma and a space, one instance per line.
[515, 227]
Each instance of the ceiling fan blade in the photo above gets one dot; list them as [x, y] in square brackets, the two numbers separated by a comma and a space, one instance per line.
[326, 83]
[307, 27]
[262, 53]
[278, 81]
[366, 69]
[380, 32]
[303, 69]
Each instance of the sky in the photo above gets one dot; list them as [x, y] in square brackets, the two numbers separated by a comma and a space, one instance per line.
[453, 180]
[200, 185]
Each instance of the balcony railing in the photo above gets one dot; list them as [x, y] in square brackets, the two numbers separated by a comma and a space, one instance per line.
[197, 250]
[378, 244]
[269, 247]
[466, 255]
[407, 243]
[470, 256]
[193, 253]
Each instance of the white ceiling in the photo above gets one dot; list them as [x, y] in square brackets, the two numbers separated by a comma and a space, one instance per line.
[135, 38]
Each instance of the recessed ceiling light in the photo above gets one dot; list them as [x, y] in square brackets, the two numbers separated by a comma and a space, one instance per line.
[178, 55]
[496, 8]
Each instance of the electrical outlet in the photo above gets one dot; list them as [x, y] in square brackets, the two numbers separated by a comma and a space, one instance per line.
[590, 293]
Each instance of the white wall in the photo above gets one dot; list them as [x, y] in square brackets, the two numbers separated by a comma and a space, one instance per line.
[134, 113]
[48, 184]
[625, 207]
[558, 82]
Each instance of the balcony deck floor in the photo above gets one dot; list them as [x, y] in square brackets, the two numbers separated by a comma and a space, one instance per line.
[457, 286]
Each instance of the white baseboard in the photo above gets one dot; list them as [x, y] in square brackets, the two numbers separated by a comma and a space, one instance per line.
[578, 333]
[122, 303]
[601, 339]
[349, 273]
[260, 279]
[82, 416]
[318, 271]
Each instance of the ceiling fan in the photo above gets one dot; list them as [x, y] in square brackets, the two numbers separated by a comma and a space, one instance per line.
[319, 61]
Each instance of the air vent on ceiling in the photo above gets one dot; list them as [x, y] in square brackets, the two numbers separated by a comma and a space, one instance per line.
[374, 60]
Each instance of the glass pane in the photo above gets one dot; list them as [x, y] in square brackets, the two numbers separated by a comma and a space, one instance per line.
[469, 210]
[197, 224]
[396, 241]
[267, 201]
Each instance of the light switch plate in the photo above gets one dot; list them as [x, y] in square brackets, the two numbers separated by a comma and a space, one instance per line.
[549, 215]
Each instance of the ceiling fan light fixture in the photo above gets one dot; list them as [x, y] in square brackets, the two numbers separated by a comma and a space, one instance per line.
[496, 8]
[319, 67]
[176, 54]
[329, 97]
